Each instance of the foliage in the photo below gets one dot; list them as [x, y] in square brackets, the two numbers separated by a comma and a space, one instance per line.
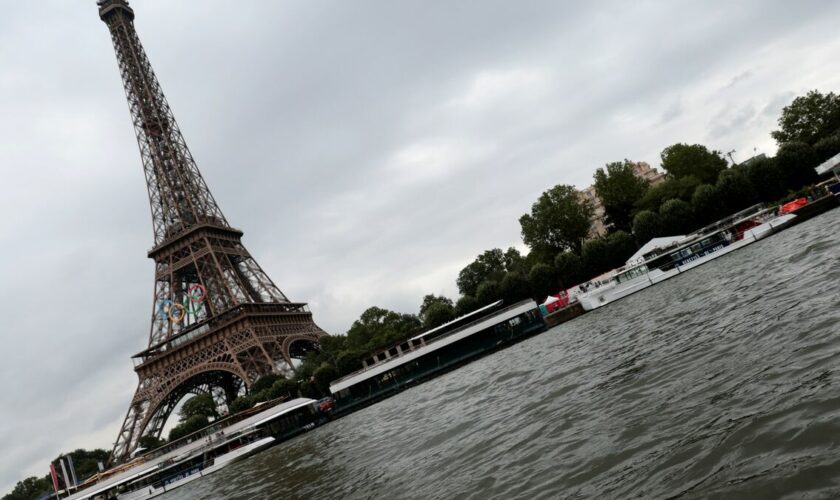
[377, 328]
[559, 220]
[677, 217]
[466, 305]
[239, 404]
[674, 188]
[487, 293]
[201, 405]
[646, 226]
[30, 488]
[265, 382]
[796, 162]
[809, 118]
[766, 179]
[325, 374]
[430, 300]
[543, 281]
[602, 254]
[489, 266]
[149, 442]
[568, 268]
[190, 425]
[735, 190]
[619, 189]
[438, 314]
[695, 160]
[282, 387]
[827, 147]
[514, 287]
[707, 204]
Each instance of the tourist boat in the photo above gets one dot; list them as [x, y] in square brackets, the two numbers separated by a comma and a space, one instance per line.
[206, 451]
[664, 258]
[436, 351]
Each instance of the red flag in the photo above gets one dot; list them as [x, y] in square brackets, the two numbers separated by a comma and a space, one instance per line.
[54, 477]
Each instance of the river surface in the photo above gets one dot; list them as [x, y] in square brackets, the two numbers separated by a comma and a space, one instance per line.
[722, 382]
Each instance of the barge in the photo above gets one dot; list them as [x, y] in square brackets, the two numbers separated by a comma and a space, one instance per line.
[435, 352]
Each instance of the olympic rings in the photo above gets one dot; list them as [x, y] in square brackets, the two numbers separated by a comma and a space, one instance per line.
[175, 312]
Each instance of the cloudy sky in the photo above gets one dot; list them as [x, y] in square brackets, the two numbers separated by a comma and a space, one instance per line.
[368, 149]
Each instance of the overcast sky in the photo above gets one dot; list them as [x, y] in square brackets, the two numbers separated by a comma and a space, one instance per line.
[368, 149]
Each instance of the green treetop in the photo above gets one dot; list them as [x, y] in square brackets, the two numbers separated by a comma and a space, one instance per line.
[619, 189]
[559, 220]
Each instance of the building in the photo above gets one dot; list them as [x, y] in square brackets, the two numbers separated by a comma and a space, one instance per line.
[598, 226]
[651, 175]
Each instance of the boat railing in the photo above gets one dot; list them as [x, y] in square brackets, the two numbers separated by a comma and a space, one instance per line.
[432, 341]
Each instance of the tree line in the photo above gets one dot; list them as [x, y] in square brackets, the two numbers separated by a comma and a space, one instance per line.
[701, 187]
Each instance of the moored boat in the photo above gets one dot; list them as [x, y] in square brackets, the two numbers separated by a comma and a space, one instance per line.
[436, 351]
[664, 258]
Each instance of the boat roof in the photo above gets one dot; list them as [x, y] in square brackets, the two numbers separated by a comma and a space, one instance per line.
[456, 335]
[456, 320]
[828, 165]
[189, 449]
[654, 244]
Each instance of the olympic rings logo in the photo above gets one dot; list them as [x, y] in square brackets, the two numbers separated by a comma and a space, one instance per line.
[178, 312]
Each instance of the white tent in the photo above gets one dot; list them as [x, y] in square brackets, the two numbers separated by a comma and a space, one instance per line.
[550, 300]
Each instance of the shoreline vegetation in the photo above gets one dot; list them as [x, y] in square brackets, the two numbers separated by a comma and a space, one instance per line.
[700, 187]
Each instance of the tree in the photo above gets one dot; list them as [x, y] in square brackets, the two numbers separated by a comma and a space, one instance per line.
[646, 226]
[620, 247]
[619, 189]
[674, 188]
[683, 160]
[466, 305]
[282, 387]
[378, 327]
[149, 442]
[735, 191]
[558, 221]
[677, 217]
[430, 300]
[490, 265]
[594, 256]
[809, 118]
[239, 404]
[827, 147]
[514, 261]
[766, 179]
[707, 204]
[438, 314]
[193, 424]
[201, 405]
[514, 287]
[487, 293]
[543, 281]
[29, 489]
[265, 382]
[796, 162]
[325, 374]
[568, 268]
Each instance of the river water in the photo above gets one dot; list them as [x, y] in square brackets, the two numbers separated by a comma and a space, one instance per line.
[722, 382]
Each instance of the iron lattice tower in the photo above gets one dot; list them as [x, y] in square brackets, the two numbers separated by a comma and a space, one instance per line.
[218, 321]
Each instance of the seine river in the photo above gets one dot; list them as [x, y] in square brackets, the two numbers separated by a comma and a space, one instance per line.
[719, 383]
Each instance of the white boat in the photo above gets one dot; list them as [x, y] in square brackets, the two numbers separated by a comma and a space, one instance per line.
[655, 263]
[191, 467]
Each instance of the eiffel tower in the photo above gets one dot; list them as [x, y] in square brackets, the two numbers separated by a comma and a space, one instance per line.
[218, 321]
